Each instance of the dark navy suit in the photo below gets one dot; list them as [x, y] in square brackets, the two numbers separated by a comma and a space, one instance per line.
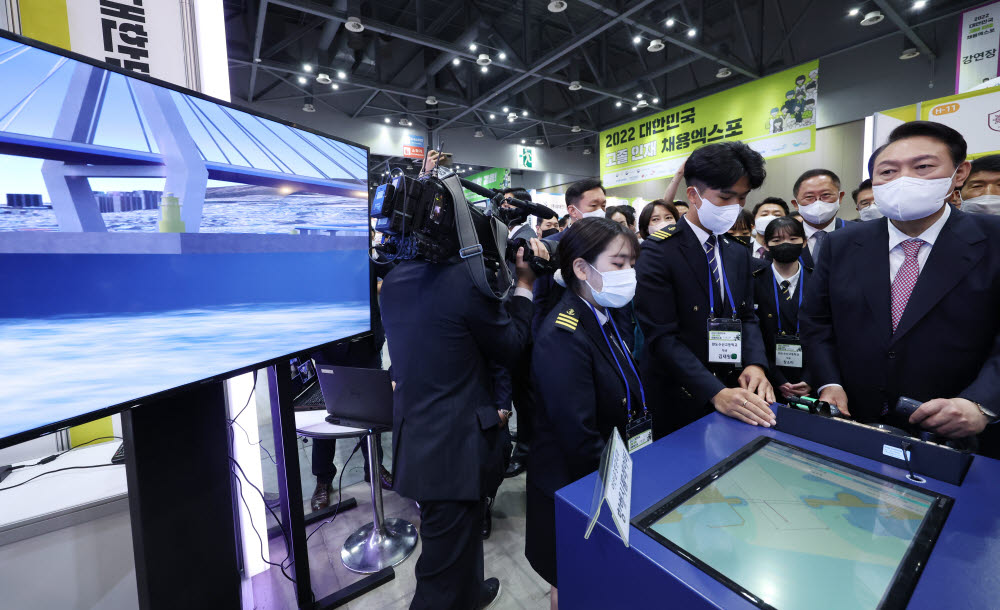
[582, 399]
[763, 275]
[447, 449]
[672, 306]
[807, 256]
[947, 343]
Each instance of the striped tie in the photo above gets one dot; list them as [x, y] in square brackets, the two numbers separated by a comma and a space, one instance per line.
[713, 265]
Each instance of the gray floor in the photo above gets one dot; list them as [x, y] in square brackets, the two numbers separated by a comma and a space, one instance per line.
[504, 551]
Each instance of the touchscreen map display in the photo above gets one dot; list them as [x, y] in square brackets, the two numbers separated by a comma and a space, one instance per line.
[798, 530]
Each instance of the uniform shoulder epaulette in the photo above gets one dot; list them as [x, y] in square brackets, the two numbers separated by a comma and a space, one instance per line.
[663, 234]
[567, 320]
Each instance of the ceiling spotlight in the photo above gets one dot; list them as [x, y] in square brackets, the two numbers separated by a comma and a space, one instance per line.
[655, 46]
[523, 141]
[670, 22]
[484, 69]
[642, 104]
[872, 18]
[405, 122]
[512, 116]
[473, 47]
[636, 40]
[510, 119]
[308, 108]
[909, 53]
[692, 33]
[478, 133]
[493, 116]
[506, 109]
[335, 86]
[323, 78]
[302, 80]
[587, 151]
[502, 56]
[634, 108]
[638, 96]
[524, 113]
[618, 104]
[341, 75]
[853, 12]
[575, 86]
[540, 142]
[723, 72]
[307, 67]
[456, 61]
[354, 24]
[919, 4]
[387, 120]
[431, 100]
[575, 129]
[484, 60]
[656, 100]
[557, 6]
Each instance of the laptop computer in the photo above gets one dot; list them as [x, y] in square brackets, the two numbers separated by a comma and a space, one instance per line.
[359, 398]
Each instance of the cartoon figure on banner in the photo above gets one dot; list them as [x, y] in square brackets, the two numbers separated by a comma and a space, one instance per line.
[800, 86]
[799, 108]
[775, 124]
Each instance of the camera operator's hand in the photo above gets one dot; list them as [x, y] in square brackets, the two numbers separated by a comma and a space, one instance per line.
[430, 162]
[525, 274]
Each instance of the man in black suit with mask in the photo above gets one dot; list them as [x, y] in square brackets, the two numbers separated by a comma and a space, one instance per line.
[909, 305]
[690, 276]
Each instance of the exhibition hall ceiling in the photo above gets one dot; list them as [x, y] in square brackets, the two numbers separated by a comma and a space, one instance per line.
[556, 72]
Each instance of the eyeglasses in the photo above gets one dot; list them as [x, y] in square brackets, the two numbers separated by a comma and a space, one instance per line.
[825, 197]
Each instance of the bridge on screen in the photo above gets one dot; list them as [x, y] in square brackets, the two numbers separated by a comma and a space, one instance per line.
[185, 140]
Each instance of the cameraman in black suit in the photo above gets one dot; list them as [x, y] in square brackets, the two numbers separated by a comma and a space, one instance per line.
[443, 334]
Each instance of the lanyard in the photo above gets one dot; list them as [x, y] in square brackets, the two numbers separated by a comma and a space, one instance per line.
[628, 394]
[799, 288]
[725, 280]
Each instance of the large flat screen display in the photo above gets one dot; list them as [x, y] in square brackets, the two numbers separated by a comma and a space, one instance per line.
[152, 238]
[790, 529]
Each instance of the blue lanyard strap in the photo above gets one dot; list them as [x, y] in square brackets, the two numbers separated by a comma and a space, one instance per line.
[725, 280]
[800, 288]
[628, 394]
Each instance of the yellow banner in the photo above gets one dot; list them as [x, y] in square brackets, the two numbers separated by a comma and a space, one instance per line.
[775, 115]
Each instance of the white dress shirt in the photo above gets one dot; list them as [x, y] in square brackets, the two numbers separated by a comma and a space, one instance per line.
[811, 232]
[793, 281]
[897, 237]
[703, 236]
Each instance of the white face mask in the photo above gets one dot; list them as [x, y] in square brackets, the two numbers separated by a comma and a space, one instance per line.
[598, 213]
[984, 204]
[870, 213]
[717, 219]
[761, 223]
[819, 212]
[618, 290]
[908, 198]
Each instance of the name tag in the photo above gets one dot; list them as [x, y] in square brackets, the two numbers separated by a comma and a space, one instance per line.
[725, 341]
[788, 351]
[639, 433]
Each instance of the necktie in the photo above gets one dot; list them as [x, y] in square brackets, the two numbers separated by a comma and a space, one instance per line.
[783, 287]
[713, 265]
[760, 252]
[906, 279]
[820, 236]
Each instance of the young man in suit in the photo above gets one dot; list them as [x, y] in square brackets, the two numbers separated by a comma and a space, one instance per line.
[691, 275]
[909, 305]
[817, 199]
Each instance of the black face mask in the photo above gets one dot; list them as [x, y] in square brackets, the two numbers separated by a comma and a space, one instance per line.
[785, 253]
[741, 239]
[549, 233]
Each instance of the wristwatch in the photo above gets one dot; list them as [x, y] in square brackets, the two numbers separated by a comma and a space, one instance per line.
[990, 415]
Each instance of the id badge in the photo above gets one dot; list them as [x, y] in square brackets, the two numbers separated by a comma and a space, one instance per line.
[639, 432]
[725, 341]
[788, 351]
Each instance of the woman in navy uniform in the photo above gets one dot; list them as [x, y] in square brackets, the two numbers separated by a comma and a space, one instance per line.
[779, 285]
[588, 384]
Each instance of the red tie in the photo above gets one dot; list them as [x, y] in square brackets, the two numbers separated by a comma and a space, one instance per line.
[906, 279]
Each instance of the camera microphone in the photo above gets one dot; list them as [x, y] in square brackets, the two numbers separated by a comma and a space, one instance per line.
[532, 208]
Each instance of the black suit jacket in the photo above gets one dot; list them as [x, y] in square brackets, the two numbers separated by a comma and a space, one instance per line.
[442, 335]
[764, 305]
[672, 306]
[948, 341]
[807, 256]
[582, 396]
